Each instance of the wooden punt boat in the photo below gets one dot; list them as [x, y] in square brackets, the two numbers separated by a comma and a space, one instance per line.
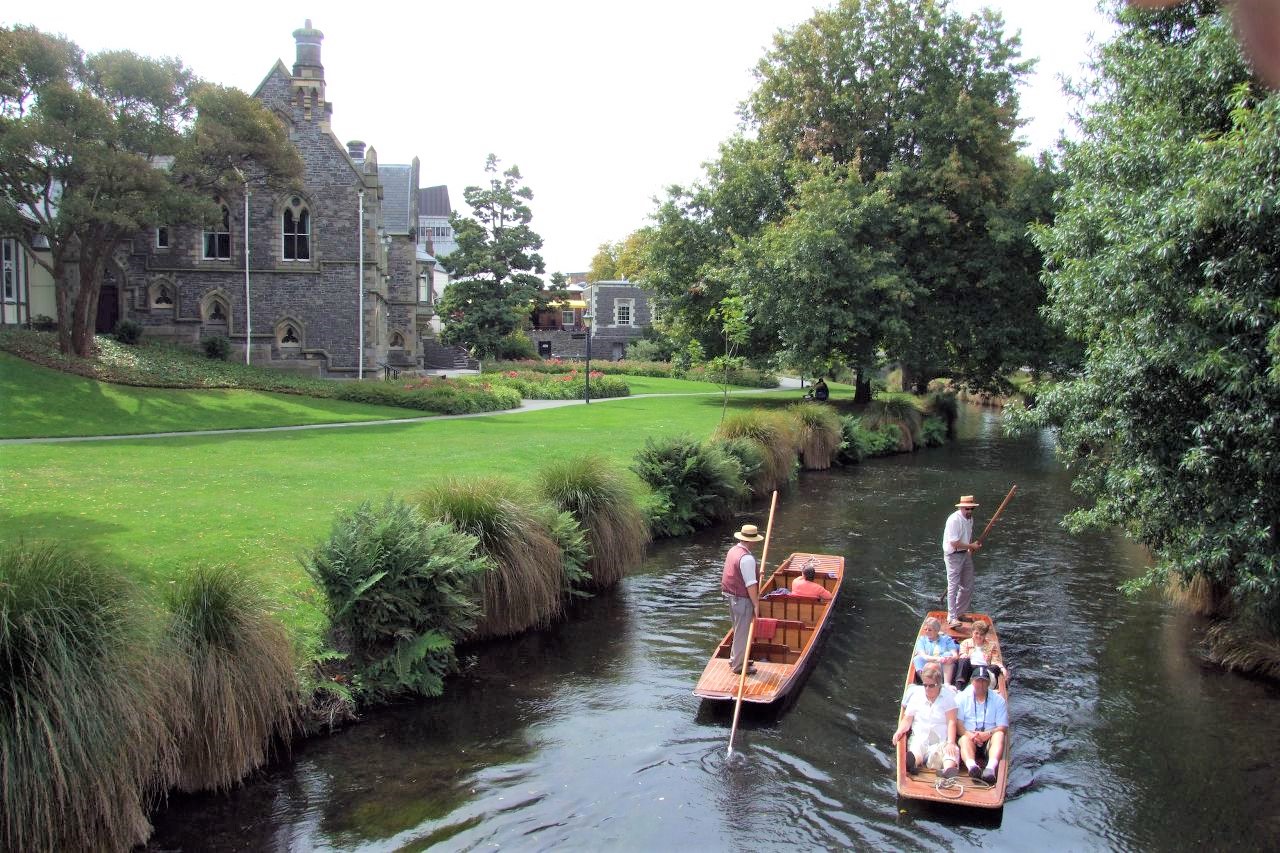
[962, 790]
[783, 660]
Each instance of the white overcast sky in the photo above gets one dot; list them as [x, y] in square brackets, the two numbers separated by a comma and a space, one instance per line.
[601, 104]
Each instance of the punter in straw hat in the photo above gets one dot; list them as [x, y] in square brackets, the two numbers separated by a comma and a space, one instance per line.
[957, 553]
[741, 586]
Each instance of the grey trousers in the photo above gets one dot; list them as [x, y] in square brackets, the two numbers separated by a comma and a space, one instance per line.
[959, 583]
[743, 612]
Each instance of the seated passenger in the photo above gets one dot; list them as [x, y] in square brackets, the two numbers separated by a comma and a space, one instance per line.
[980, 650]
[983, 720]
[820, 390]
[806, 585]
[932, 648]
[930, 719]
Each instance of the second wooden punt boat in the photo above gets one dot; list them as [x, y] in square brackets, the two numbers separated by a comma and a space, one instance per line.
[961, 790]
[784, 658]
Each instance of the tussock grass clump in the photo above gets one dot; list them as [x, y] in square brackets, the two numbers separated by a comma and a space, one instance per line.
[1199, 595]
[242, 688]
[944, 405]
[777, 435]
[820, 434]
[401, 591]
[694, 485]
[901, 411]
[1245, 647]
[524, 587]
[596, 494]
[86, 706]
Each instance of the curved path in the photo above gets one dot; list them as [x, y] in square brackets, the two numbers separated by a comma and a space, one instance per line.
[525, 406]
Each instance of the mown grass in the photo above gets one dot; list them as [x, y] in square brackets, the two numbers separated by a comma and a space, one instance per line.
[41, 402]
[258, 501]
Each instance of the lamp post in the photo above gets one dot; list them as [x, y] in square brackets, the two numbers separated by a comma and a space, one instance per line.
[587, 317]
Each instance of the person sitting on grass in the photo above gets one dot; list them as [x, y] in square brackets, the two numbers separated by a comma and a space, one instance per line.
[930, 720]
[983, 720]
[806, 585]
[933, 647]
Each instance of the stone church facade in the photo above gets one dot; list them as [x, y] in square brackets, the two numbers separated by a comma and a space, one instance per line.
[301, 289]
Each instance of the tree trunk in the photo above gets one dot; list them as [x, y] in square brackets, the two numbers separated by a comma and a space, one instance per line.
[861, 386]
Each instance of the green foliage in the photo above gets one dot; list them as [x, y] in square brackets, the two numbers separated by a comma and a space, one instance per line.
[401, 592]
[217, 348]
[597, 495]
[526, 584]
[901, 411]
[820, 434]
[127, 332]
[86, 709]
[943, 405]
[933, 432]
[694, 485]
[516, 345]
[746, 377]
[444, 396]
[854, 442]
[777, 435]
[44, 323]
[242, 689]
[575, 550]
[81, 139]
[1159, 264]
[496, 266]
[751, 458]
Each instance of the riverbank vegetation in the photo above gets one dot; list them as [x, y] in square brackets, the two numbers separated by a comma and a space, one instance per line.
[1160, 263]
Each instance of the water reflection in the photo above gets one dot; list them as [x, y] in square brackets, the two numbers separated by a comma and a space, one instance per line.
[587, 736]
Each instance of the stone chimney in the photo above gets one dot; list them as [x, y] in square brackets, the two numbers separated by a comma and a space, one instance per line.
[308, 62]
[356, 149]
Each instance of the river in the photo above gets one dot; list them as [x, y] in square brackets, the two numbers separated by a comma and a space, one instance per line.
[586, 736]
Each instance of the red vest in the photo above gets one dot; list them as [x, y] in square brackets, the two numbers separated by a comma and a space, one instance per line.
[731, 581]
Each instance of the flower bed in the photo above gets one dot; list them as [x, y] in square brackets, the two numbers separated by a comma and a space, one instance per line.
[571, 385]
[747, 377]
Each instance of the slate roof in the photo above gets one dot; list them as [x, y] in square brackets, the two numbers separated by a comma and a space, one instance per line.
[434, 201]
[397, 209]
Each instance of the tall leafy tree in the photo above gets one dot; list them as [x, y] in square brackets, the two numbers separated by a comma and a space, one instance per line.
[496, 266]
[94, 149]
[1163, 262]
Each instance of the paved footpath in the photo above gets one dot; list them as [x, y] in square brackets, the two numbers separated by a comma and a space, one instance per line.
[525, 406]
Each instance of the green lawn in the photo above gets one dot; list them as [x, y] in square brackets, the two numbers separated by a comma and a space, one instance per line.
[38, 401]
[257, 501]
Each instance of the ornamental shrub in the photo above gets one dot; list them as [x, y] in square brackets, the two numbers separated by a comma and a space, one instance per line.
[127, 332]
[777, 435]
[401, 593]
[694, 485]
[516, 345]
[933, 431]
[216, 348]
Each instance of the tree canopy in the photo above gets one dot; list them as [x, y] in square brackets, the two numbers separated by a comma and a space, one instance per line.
[496, 266]
[881, 205]
[1162, 262]
[94, 149]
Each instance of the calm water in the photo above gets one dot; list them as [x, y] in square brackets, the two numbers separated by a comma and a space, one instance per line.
[587, 737]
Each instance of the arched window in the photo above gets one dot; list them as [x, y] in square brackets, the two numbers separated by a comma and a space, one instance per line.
[217, 312]
[217, 240]
[162, 296]
[290, 336]
[296, 228]
[397, 340]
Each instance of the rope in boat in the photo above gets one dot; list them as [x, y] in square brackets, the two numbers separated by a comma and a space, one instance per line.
[954, 788]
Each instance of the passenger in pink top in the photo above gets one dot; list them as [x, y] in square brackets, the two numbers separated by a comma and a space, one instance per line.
[808, 586]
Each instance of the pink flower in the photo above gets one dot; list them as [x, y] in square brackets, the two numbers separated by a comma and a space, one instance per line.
[512, 374]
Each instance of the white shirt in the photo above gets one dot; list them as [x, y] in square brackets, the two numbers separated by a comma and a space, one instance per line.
[747, 568]
[958, 529]
[925, 715]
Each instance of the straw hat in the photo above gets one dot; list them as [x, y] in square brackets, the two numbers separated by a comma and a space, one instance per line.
[748, 533]
[967, 500]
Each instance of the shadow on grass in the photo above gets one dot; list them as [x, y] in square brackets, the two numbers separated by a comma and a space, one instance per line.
[54, 527]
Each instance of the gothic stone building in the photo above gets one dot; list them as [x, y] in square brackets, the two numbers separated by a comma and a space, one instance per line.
[303, 272]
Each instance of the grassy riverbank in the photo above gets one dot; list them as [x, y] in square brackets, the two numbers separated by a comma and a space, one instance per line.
[256, 501]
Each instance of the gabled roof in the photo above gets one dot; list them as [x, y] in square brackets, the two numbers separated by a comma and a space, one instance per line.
[434, 201]
[397, 206]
